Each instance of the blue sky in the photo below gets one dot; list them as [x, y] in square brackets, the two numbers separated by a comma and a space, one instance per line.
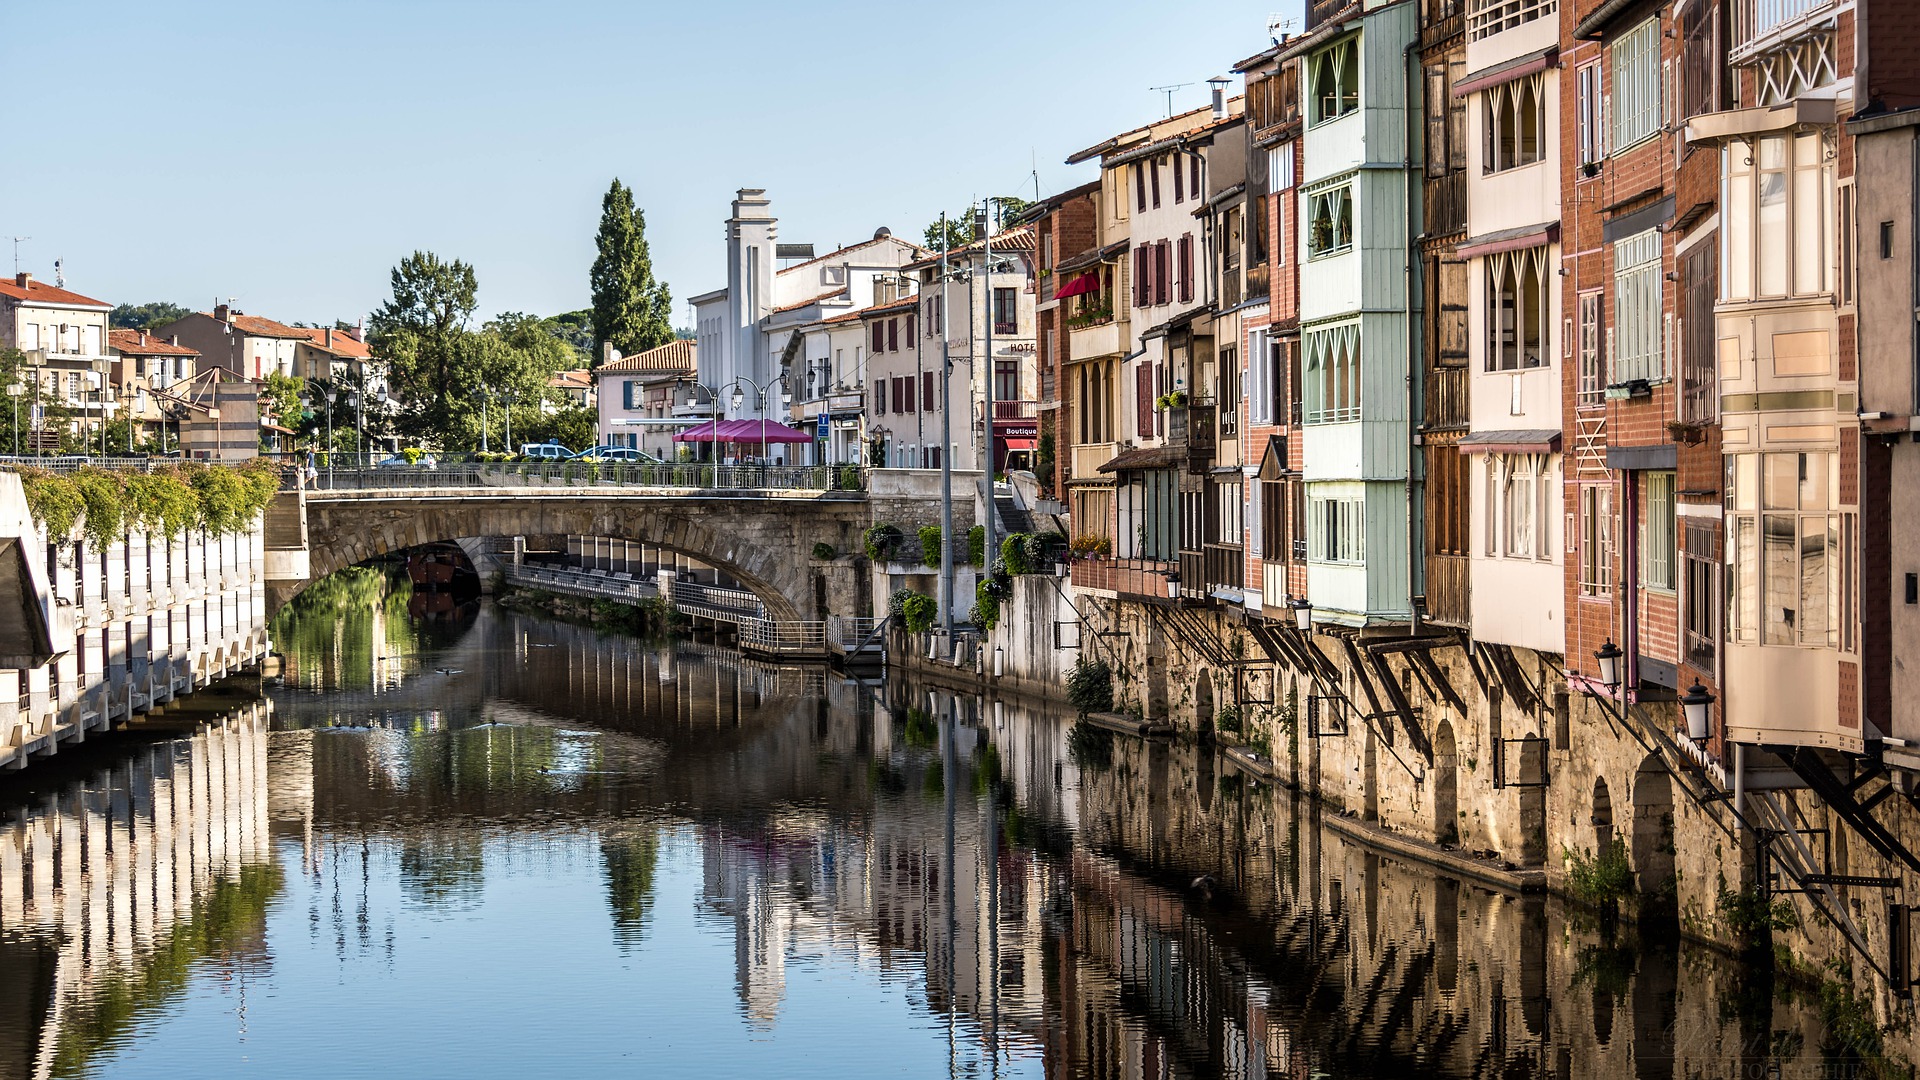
[289, 152]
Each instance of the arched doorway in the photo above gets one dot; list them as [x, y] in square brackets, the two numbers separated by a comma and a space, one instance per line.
[1203, 703]
[1652, 844]
[1446, 786]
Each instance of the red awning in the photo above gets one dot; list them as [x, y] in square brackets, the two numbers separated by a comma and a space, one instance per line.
[1085, 283]
[1018, 443]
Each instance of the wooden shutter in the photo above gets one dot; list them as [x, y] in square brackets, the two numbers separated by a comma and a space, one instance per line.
[926, 391]
[912, 335]
[1186, 268]
[877, 333]
[1179, 185]
[880, 397]
[893, 335]
[1153, 164]
[1143, 400]
[1163, 272]
[1140, 183]
[1140, 277]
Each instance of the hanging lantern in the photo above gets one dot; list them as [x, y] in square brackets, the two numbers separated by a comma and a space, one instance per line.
[1609, 657]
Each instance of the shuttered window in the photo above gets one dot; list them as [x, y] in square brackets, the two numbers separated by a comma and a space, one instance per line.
[1143, 400]
[926, 391]
[1186, 268]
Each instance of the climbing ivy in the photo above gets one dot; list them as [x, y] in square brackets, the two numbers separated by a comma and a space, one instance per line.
[107, 505]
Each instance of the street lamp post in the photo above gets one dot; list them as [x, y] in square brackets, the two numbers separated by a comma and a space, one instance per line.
[16, 390]
[507, 398]
[99, 367]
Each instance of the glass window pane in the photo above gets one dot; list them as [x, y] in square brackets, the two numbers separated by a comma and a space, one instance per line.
[1813, 481]
[1746, 483]
[1782, 573]
[1747, 578]
[1782, 481]
[1836, 581]
[1813, 580]
[1773, 217]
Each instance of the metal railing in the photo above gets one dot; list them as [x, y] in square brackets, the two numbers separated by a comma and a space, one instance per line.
[1489, 17]
[602, 583]
[1755, 19]
[574, 474]
[717, 603]
[789, 638]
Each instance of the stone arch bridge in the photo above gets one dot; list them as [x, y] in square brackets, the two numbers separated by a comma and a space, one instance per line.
[764, 540]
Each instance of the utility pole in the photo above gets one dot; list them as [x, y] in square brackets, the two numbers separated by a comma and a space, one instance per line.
[983, 225]
[946, 444]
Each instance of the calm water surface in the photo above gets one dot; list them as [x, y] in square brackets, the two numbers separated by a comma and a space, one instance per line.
[456, 841]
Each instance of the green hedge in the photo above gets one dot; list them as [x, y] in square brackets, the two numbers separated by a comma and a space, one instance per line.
[216, 498]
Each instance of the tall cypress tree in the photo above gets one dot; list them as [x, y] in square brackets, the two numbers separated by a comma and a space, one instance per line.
[630, 308]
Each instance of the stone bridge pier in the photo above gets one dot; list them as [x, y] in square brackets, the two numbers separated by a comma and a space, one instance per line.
[764, 542]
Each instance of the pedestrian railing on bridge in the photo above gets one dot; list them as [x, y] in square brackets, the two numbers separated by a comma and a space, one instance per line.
[767, 637]
[546, 475]
[593, 583]
[716, 603]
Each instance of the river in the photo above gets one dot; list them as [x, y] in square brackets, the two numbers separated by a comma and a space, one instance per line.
[453, 840]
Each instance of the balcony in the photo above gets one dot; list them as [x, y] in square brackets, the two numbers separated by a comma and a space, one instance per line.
[1446, 399]
[1015, 410]
[1125, 577]
[1758, 24]
[1449, 593]
[1093, 340]
[1490, 17]
[1088, 457]
[1226, 566]
[1320, 11]
[1194, 426]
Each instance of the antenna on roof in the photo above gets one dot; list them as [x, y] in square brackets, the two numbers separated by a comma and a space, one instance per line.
[16, 253]
[1168, 90]
[1282, 23]
[59, 274]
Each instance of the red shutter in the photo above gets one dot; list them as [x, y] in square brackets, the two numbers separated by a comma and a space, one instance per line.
[1143, 400]
[1139, 277]
[893, 335]
[1196, 175]
[1163, 272]
[926, 391]
[874, 332]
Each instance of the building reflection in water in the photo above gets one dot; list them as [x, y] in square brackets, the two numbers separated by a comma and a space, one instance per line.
[117, 883]
[1052, 900]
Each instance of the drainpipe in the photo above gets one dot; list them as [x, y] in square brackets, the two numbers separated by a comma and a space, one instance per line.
[1411, 70]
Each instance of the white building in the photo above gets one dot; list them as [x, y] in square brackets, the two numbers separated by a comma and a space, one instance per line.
[644, 399]
[64, 335]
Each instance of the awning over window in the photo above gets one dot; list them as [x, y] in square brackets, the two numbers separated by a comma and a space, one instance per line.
[1158, 457]
[1512, 441]
[1018, 442]
[1273, 463]
[1085, 283]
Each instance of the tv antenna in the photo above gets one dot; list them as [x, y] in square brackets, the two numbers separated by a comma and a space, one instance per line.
[1168, 90]
[16, 252]
[1279, 26]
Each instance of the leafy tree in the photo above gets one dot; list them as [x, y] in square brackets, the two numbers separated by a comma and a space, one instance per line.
[630, 308]
[421, 331]
[575, 330]
[280, 399]
[959, 227]
[145, 316]
[17, 426]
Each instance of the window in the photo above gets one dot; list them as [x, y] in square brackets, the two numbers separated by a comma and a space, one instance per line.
[1596, 540]
[1701, 594]
[1336, 529]
[1788, 580]
[1179, 181]
[1193, 171]
[1186, 268]
[880, 397]
[1592, 388]
[1700, 391]
[1153, 176]
[1006, 380]
[926, 390]
[1272, 496]
[1517, 315]
[1229, 390]
[1516, 123]
[1333, 374]
[893, 335]
[1334, 74]
[1657, 533]
[1590, 134]
[1488, 17]
[1635, 101]
[1778, 204]
[1638, 344]
[1006, 312]
[1140, 184]
[1330, 221]
[1703, 61]
[1524, 506]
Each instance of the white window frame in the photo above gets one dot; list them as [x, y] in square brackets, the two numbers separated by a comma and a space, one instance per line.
[1332, 372]
[1634, 63]
[1506, 277]
[1639, 332]
[1336, 529]
[1341, 62]
[1507, 123]
[1336, 203]
[1659, 533]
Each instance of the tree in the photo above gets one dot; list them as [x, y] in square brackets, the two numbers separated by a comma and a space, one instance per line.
[420, 331]
[144, 316]
[280, 399]
[959, 227]
[17, 423]
[630, 309]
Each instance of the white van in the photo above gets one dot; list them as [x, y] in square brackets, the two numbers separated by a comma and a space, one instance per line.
[546, 451]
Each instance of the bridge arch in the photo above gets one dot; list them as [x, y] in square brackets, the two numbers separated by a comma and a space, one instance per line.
[764, 543]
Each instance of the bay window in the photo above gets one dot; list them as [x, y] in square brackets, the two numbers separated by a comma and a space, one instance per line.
[1333, 374]
[1334, 74]
[1784, 546]
[1516, 121]
[1517, 309]
[1778, 195]
[1330, 221]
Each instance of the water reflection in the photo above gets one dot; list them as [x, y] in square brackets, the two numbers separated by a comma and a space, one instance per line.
[538, 850]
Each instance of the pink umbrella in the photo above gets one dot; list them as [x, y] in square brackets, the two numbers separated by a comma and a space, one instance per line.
[761, 431]
[702, 433]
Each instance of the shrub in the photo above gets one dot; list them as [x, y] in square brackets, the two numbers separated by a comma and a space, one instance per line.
[881, 541]
[897, 603]
[1013, 554]
[921, 611]
[930, 538]
[850, 478]
[1752, 919]
[1227, 720]
[977, 545]
[216, 498]
[1090, 685]
[824, 552]
[413, 454]
[1602, 880]
[986, 606]
[1090, 546]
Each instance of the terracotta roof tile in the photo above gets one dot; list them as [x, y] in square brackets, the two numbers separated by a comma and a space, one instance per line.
[260, 326]
[127, 342]
[842, 291]
[41, 293]
[343, 342]
[1019, 238]
[901, 304]
[675, 355]
[580, 379]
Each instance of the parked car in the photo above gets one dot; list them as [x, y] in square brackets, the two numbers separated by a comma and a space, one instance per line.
[626, 455]
[546, 451]
[399, 461]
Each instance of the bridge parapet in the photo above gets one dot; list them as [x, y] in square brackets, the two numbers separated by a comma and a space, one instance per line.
[755, 480]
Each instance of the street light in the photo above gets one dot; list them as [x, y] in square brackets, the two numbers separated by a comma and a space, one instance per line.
[1302, 613]
[16, 390]
[1697, 704]
[1609, 657]
[99, 367]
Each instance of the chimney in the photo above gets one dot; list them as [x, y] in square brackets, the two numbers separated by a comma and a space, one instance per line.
[143, 337]
[359, 331]
[23, 279]
[223, 313]
[1219, 86]
[329, 337]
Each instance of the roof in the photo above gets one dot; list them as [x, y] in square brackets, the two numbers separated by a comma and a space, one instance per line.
[1089, 258]
[841, 291]
[1154, 457]
[844, 250]
[1018, 238]
[904, 303]
[343, 342]
[676, 355]
[141, 343]
[261, 326]
[35, 292]
[1170, 125]
[577, 379]
[1041, 207]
